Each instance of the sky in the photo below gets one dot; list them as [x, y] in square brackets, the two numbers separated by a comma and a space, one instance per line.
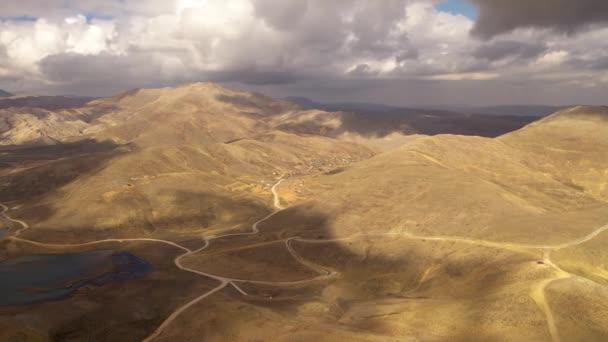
[463, 7]
[397, 52]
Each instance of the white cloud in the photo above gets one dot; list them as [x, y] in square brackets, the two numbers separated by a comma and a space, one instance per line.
[474, 76]
[88, 39]
[270, 42]
[553, 58]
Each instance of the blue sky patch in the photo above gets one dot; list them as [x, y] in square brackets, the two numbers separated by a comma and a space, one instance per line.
[19, 18]
[93, 16]
[458, 7]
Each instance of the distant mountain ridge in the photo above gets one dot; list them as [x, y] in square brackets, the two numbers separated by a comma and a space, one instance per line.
[516, 110]
[382, 120]
[44, 102]
[208, 112]
[4, 93]
[341, 106]
[499, 110]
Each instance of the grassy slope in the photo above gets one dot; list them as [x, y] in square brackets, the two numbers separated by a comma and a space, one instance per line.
[201, 170]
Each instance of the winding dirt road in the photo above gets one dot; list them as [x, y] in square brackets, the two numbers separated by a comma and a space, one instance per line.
[223, 281]
[24, 225]
[537, 293]
[179, 311]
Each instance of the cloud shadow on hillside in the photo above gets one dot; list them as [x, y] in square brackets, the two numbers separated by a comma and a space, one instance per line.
[30, 172]
[362, 274]
[303, 221]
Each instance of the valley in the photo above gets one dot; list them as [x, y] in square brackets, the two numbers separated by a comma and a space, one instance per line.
[265, 220]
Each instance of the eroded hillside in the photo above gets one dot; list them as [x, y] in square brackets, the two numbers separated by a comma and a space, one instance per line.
[172, 159]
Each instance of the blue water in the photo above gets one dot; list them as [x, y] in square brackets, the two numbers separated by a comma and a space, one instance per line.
[45, 277]
[5, 227]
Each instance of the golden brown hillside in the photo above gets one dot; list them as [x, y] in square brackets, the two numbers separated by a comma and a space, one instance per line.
[517, 222]
[262, 223]
[571, 145]
[172, 159]
[197, 113]
[38, 126]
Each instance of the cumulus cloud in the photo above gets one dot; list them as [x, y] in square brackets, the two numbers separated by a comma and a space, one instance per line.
[502, 49]
[102, 47]
[283, 15]
[361, 70]
[53, 9]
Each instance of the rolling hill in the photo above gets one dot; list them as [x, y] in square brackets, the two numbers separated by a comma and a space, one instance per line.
[167, 159]
[296, 223]
[479, 230]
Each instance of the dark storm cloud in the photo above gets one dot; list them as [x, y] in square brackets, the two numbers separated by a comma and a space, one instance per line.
[567, 16]
[373, 27]
[435, 92]
[502, 49]
[411, 53]
[75, 67]
[361, 70]
[113, 74]
[598, 63]
[282, 15]
[254, 77]
[103, 74]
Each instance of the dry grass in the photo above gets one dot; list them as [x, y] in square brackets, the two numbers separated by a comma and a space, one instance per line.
[200, 160]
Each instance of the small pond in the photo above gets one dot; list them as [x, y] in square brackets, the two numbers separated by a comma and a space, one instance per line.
[45, 277]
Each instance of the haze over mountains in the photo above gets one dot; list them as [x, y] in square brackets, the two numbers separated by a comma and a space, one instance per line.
[515, 110]
[382, 119]
[366, 120]
[267, 220]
